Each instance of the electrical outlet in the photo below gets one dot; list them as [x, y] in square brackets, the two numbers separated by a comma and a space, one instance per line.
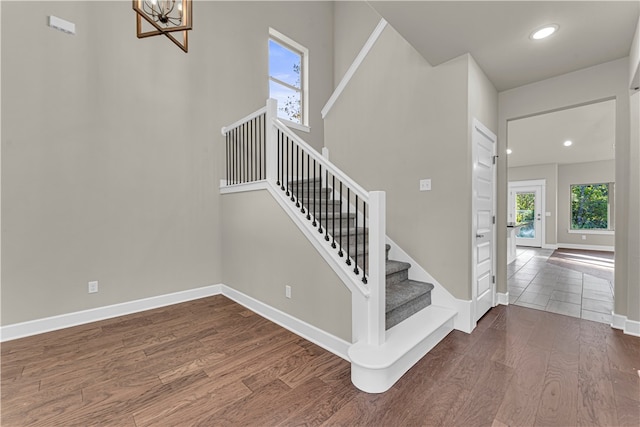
[93, 287]
[287, 291]
[425, 185]
[584, 237]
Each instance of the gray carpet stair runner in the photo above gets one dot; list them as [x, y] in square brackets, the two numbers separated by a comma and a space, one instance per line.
[404, 297]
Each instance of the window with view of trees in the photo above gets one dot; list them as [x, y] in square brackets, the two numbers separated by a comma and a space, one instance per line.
[591, 206]
[287, 82]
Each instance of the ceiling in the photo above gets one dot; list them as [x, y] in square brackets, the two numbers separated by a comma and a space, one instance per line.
[539, 139]
[497, 34]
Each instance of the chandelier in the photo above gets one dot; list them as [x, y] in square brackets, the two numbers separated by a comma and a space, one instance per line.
[169, 17]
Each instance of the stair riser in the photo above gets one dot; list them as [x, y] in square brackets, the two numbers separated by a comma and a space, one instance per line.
[397, 277]
[398, 314]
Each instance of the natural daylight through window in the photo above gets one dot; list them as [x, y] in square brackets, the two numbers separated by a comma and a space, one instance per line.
[591, 206]
[288, 77]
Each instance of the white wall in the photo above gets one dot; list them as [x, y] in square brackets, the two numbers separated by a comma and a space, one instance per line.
[111, 145]
[604, 81]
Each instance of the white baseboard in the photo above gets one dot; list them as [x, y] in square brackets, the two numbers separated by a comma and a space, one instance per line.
[586, 247]
[329, 342]
[502, 298]
[549, 246]
[53, 323]
[630, 327]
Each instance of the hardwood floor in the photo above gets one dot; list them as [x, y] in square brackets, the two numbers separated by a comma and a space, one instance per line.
[211, 362]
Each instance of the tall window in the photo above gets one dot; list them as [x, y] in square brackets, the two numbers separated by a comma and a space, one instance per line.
[288, 77]
[592, 206]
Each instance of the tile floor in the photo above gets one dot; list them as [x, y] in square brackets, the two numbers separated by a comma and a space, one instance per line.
[534, 283]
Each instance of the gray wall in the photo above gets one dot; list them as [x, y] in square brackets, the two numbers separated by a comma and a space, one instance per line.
[604, 81]
[401, 120]
[581, 173]
[354, 21]
[550, 174]
[111, 146]
[265, 251]
[483, 98]
[633, 292]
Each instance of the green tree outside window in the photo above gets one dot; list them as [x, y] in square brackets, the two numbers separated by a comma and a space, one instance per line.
[590, 207]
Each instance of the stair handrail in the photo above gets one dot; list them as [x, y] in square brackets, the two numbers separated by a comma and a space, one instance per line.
[361, 192]
[243, 120]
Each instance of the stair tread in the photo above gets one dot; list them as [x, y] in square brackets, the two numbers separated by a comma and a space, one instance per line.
[393, 266]
[401, 338]
[400, 293]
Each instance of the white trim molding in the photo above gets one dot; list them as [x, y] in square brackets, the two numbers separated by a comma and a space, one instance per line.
[240, 188]
[68, 320]
[375, 369]
[629, 327]
[354, 66]
[586, 247]
[329, 342]
[502, 298]
[592, 231]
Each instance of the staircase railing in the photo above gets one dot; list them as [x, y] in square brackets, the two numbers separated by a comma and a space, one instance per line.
[348, 220]
[246, 148]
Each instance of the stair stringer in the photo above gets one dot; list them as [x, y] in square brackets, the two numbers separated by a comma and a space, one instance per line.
[337, 263]
[463, 321]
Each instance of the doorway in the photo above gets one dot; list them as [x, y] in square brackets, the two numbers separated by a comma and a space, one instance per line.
[566, 151]
[526, 207]
[483, 209]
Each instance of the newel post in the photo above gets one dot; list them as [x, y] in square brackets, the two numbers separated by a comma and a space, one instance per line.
[377, 266]
[272, 140]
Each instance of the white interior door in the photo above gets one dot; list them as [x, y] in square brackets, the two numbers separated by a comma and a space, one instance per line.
[483, 206]
[526, 208]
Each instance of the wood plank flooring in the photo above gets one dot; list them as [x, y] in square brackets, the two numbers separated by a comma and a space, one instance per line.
[211, 362]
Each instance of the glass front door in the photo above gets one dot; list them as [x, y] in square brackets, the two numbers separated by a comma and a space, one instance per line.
[526, 213]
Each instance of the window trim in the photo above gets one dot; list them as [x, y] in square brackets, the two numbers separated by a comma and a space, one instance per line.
[296, 47]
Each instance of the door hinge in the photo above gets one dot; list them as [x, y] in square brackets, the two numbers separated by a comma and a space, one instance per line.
[495, 158]
[493, 219]
[493, 279]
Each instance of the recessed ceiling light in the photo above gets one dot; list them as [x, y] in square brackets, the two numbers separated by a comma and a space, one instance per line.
[544, 32]
[509, 151]
[567, 143]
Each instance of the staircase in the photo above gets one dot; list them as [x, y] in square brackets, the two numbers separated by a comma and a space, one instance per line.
[393, 321]
[404, 297]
